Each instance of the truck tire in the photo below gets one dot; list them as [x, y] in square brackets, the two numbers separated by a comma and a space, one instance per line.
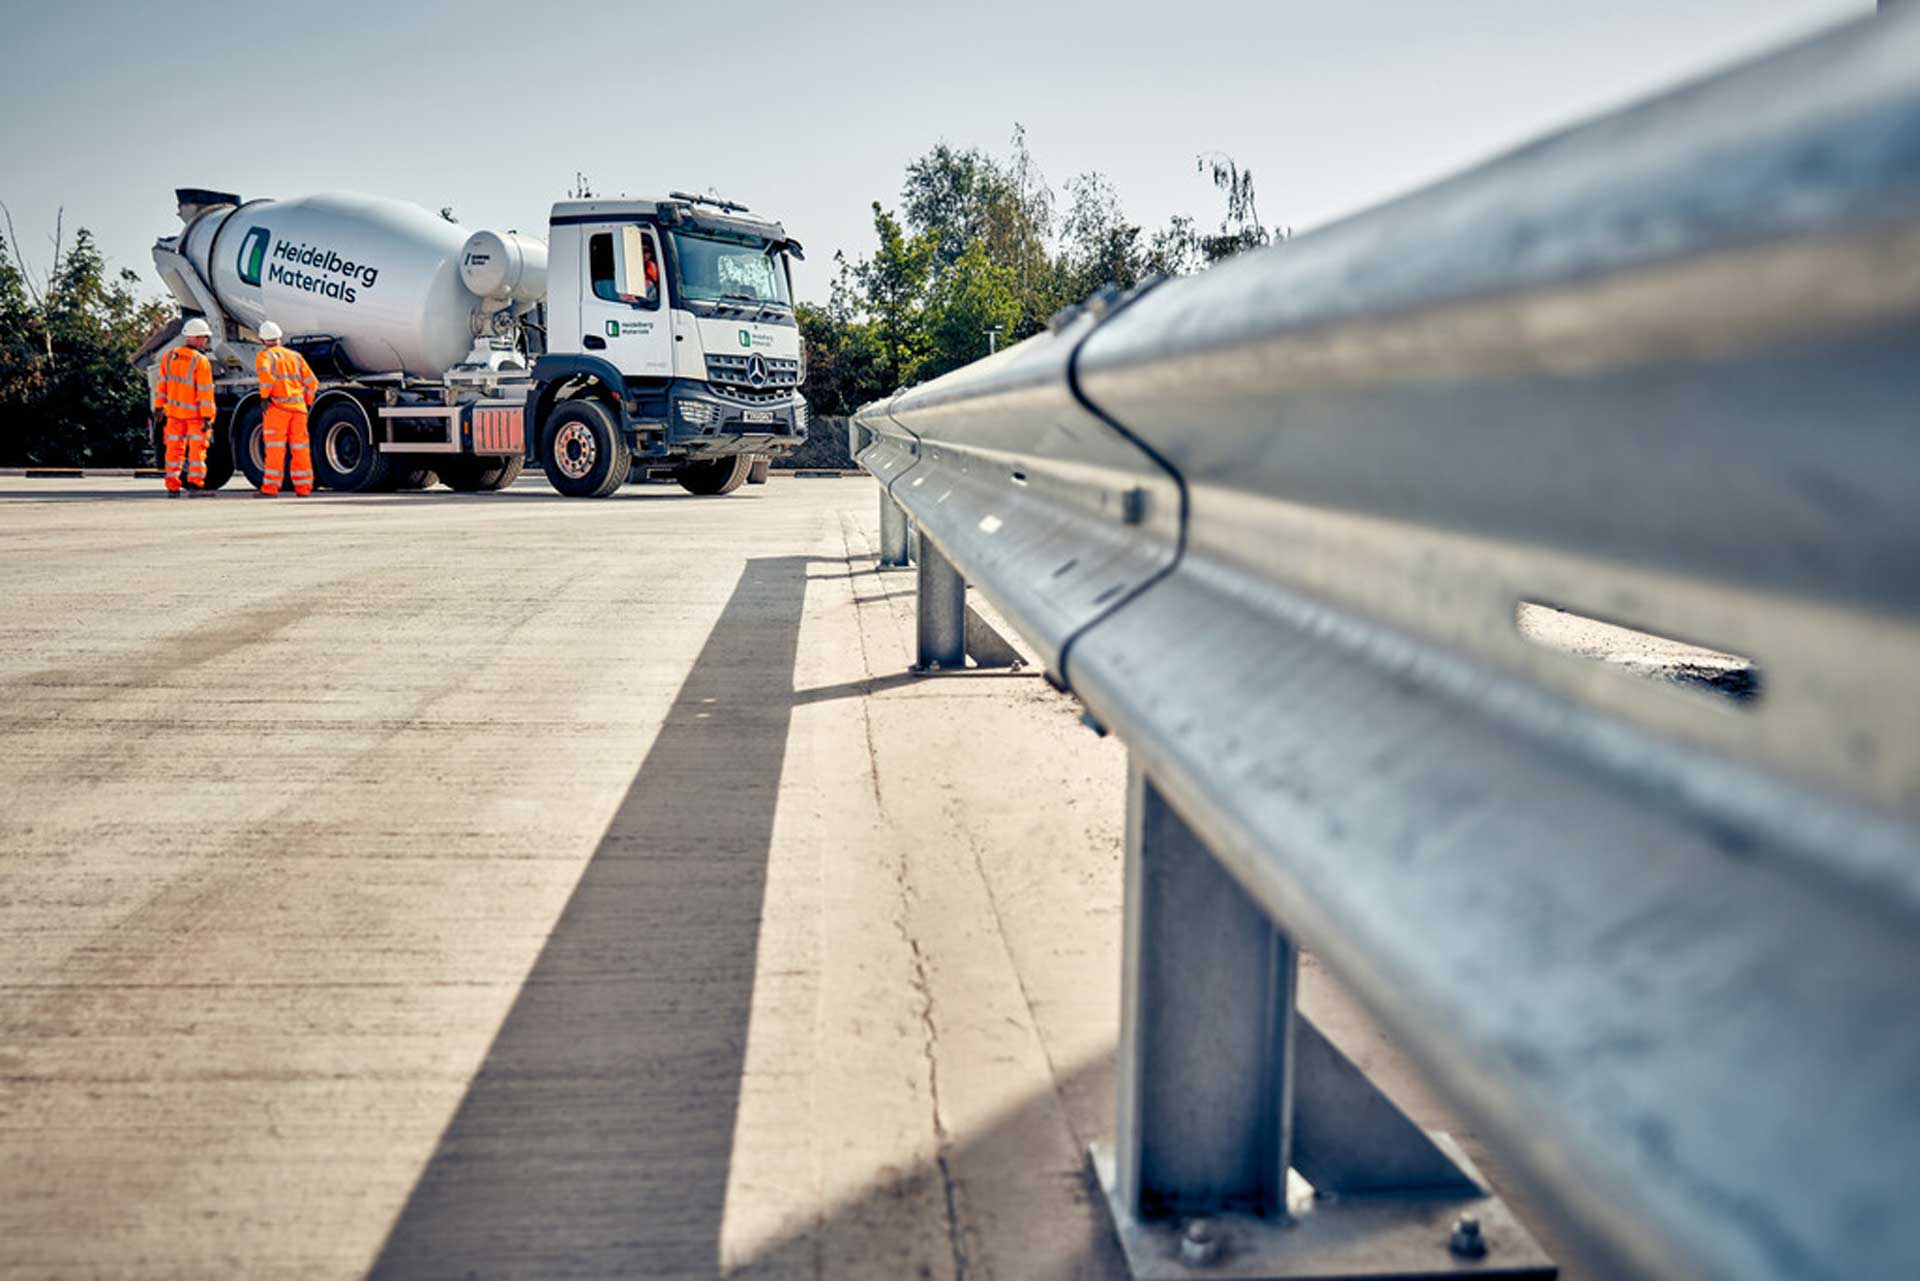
[757, 475]
[219, 455]
[716, 475]
[404, 477]
[345, 456]
[583, 451]
[249, 457]
[482, 474]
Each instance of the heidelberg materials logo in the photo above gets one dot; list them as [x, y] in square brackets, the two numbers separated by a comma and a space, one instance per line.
[613, 329]
[746, 338]
[253, 254]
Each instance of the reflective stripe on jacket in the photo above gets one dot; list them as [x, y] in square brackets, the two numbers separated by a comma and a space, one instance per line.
[185, 389]
[285, 380]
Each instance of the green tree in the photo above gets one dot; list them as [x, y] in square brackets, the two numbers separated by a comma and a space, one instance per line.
[977, 248]
[1174, 250]
[960, 198]
[1241, 228]
[70, 393]
[1098, 245]
[975, 295]
[892, 288]
[845, 368]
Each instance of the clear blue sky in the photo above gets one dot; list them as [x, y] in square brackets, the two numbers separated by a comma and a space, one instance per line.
[807, 111]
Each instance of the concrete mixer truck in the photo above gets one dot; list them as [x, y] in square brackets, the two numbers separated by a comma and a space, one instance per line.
[655, 334]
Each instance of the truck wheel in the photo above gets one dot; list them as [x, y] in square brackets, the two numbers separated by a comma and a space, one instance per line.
[715, 476]
[345, 456]
[584, 454]
[482, 474]
[509, 472]
[757, 475]
[247, 450]
[220, 455]
[402, 478]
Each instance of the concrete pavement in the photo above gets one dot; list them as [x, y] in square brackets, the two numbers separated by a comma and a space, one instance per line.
[509, 886]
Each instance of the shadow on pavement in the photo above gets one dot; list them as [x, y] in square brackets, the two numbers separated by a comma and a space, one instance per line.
[1003, 1187]
[881, 684]
[595, 1138]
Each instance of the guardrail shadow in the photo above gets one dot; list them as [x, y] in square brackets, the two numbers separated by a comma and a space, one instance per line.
[595, 1138]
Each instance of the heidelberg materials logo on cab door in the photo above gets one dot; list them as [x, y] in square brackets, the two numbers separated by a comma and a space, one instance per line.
[253, 254]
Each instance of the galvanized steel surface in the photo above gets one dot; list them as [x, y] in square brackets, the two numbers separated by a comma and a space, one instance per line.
[1661, 369]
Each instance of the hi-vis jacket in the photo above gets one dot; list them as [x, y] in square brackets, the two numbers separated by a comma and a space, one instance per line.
[186, 385]
[285, 381]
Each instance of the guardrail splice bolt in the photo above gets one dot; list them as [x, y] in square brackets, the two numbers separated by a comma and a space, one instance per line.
[1467, 1241]
[1199, 1244]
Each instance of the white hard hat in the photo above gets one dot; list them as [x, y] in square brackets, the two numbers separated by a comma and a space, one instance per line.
[196, 328]
[269, 332]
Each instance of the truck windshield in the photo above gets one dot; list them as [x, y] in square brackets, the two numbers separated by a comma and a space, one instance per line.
[716, 270]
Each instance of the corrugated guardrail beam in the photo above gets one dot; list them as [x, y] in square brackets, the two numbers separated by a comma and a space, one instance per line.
[1272, 524]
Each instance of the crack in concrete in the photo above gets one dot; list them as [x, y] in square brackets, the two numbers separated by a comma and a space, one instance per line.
[867, 677]
[922, 987]
[1019, 976]
[930, 1044]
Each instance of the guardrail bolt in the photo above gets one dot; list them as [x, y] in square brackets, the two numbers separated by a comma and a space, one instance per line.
[1133, 506]
[1199, 1244]
[1467, 1241]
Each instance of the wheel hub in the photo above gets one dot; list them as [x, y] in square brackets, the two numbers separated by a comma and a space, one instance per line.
[574, 450]
[343, 448]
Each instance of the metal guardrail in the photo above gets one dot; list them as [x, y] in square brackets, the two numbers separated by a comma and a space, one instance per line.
[1272, 524]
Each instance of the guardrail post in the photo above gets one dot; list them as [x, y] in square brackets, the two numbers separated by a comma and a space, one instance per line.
[1205, 1029]
[1226, 1093]
[893, 532]
[942, 612]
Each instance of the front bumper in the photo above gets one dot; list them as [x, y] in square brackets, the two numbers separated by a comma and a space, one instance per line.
[700, 423]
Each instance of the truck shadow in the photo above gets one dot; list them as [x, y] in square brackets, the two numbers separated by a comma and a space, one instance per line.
[594, 1140]
[515, 495]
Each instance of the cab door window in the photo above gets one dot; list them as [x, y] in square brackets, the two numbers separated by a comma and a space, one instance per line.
[624, 267]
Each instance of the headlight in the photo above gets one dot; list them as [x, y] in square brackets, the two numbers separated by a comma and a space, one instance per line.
[696, 413]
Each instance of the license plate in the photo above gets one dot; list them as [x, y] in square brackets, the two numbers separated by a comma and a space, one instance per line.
[758, 416]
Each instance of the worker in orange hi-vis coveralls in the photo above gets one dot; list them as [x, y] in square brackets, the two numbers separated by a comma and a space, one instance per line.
[287, 389]
[184, 399]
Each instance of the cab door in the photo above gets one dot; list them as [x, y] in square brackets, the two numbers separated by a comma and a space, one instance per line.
[623, 306]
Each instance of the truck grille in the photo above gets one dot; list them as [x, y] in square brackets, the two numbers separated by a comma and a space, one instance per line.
[753, 377]
[748, 396]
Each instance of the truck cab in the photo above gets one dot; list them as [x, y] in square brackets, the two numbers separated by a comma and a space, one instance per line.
[675, 317]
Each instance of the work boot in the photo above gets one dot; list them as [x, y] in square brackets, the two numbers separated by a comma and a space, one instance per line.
[264, 494]
[174, 493]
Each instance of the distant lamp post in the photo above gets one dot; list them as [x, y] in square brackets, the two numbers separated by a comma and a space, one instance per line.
[993, 338]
